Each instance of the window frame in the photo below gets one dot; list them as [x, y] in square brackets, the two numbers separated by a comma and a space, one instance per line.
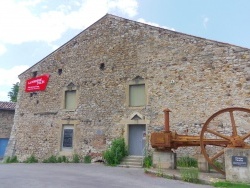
[134, 82]
[64, 127]
[131, 95]
[70, 87]
[62, 123]
[67, 107]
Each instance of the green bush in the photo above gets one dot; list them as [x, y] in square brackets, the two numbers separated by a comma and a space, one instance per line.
[12, 159]
[87, 159]
[116, 152]
[59, 159]
[190, 174]
[51, 159]
[147, 161]
[54, 159]
[65, 159]
[187, 162]
[76, 158]
[31, 159]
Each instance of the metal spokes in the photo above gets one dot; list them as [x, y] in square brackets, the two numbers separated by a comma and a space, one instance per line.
[221, 130]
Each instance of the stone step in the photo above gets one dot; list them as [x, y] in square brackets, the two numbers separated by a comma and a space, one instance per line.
[131, 166]
[132, 157]
[139, 163]
[132, 162]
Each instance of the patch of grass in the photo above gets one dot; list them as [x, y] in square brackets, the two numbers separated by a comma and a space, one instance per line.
[147, 161]
[218, 164]
[31, 159]
[159, 170]
[51, 159]
[54, 159]
[146, 171]
[59, 159]
[87, 159]
[76, 158]
[227, 184]
[190, 174]
[12, 159]
[168, 176]
[187, 162]
[65, 159]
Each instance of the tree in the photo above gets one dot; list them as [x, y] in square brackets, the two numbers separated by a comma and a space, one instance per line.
[13, 93]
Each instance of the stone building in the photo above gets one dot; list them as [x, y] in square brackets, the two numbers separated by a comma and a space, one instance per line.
[115, 78]
[7, 111]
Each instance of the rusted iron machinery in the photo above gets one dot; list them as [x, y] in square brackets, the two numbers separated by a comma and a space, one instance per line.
[227, 128]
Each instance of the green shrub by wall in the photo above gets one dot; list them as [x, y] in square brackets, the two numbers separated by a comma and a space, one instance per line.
[116, 152]
[31, 159]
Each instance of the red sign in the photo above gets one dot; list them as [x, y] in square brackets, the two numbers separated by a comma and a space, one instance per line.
[37, 84]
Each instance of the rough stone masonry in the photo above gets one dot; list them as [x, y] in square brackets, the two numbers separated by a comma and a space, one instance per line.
[193, 77]
[7, 111]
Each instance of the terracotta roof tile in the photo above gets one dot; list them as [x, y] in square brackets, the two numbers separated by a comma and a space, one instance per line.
[7, 105]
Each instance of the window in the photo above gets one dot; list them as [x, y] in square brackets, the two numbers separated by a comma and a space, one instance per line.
[34, 74]
[137, 96]
[59, 71]
[102, 66]
[70, 100]
[67, 137]
[70, 97]
[136, 93]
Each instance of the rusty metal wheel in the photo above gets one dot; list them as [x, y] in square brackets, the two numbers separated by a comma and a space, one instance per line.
[228, 127]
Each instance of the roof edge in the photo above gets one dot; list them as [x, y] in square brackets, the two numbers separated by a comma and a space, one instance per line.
[121, 18]
[178, 32]
[65, 44]
[10, 106]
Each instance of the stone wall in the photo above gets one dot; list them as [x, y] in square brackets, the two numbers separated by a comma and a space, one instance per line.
[192, 76]
[6, 122]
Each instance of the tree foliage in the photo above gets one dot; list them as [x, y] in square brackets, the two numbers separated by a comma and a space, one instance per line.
[14, 92]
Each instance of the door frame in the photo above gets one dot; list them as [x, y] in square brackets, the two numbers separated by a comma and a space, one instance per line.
[143, 140]
[134, 119]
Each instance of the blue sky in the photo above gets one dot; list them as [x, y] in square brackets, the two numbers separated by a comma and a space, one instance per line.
[31, 29]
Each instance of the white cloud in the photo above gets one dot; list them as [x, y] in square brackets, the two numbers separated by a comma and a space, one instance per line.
[4, 96]
[205, 21]
[154, 24]
[46, 21]
[2, 49]
[8, 77]
[28, 20]
[128, 6]
[53, 46]
[31, 2]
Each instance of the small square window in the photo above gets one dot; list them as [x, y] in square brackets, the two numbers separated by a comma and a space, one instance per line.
[34, 74]
[137, 96]
[70, 100]
[67, 137]
[59, 71]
